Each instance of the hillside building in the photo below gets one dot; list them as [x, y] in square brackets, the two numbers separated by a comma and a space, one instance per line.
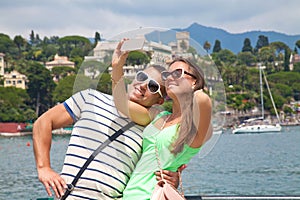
[59, 61]
[294, 58]
[103, 51]
[183, 41]
[2, 64]
[15, 79]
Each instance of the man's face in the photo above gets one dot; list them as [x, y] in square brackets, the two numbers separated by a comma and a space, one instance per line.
[139, 92]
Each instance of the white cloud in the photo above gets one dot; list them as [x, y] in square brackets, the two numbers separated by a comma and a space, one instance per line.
[85, 17]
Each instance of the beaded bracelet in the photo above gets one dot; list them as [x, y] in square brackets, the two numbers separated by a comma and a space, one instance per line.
[114, 81]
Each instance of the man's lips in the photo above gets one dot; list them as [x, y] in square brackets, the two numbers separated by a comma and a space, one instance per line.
[137, 91]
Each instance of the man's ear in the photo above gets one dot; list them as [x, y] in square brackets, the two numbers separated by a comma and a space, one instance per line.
[161, 100]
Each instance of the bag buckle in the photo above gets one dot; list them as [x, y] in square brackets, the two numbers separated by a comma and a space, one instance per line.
[70, 187]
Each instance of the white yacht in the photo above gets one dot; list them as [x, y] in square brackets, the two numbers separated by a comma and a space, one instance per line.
[259, 125]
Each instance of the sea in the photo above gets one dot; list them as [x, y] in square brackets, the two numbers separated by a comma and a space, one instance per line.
[237, 164]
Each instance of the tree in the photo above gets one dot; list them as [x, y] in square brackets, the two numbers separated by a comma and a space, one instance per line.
[20, 42]
[266, 54]
[295, 50]
[40, 87]
[97, 38]
[32, 37]
[241, 75]
[297, 67]
[62, 71]
[247, 46]
[290, 79]
[287, 55]
[217, 46]
[64, 89]
[226, 56]
[49, 51]
[296, 91]
[83, 82]
[298, 44]
[262, 41]
[37, 41]
[207, 46]
[68, 43]
[104, 84]
[279, 46]
[246, 58]
[7, 46]
[137, 58]
[14, 105]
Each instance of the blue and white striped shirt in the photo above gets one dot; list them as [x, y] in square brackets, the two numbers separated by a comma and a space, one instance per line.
[96, 118]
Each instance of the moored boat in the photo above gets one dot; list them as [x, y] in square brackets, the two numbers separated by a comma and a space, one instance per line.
[257, 128]
[260, 125]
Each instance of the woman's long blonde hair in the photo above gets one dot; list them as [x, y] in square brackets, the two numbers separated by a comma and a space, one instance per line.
[187, 129]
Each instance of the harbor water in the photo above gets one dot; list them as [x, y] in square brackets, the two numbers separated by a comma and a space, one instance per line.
[239, 164]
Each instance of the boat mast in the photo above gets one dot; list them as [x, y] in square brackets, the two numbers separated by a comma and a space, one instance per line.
[261, 92]
[271, 97]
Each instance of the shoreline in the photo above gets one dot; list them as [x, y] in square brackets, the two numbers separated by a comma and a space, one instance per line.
[15, 129]
[19, 134]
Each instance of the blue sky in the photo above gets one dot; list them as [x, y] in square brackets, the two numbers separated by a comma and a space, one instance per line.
[109, 18]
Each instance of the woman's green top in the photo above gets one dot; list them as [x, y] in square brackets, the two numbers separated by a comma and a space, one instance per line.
[143, 180]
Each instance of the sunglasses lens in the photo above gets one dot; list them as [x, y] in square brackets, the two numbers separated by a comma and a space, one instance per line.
[164, 75]
[153, 86]
[177, 73]
[141, 76]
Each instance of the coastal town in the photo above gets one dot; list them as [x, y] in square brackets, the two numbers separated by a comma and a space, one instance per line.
[229, 116]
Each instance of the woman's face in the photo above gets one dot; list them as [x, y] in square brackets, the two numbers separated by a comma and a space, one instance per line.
[176, 85]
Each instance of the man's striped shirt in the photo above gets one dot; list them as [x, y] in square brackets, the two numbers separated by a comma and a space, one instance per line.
[96, 118]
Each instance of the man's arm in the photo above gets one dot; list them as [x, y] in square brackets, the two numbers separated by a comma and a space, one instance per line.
[137, 113]
[56, 117]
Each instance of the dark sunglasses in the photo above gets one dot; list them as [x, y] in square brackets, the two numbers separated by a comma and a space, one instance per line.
[152, 85]
[176, 74]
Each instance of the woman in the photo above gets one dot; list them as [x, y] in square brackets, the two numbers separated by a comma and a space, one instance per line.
[176, 136]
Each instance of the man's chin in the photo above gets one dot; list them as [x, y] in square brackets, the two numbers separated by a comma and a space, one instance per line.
[136, 95]
[135, 99]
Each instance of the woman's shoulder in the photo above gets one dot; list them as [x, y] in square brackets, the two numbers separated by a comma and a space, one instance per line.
[201, 97]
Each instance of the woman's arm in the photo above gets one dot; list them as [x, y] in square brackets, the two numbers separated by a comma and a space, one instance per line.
[202, 111]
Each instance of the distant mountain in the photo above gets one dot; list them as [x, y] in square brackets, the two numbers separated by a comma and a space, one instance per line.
[233, 42]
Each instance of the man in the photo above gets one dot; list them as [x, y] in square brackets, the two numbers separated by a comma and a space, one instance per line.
[95, 118]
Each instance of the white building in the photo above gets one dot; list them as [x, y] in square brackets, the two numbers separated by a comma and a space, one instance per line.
[60, 61]
[160, 54]
[15, 79]
[2, 64]
[103, 49]
[183, 41]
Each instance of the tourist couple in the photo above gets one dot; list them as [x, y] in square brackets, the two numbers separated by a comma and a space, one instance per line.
[127, 168]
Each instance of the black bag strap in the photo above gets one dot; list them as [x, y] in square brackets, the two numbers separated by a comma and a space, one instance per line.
[94, 154]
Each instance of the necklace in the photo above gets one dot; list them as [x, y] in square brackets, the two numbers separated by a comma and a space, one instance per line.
[165, 121]
[172, 121]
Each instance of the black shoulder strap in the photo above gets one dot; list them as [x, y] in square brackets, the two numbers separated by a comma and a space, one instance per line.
[94, 154]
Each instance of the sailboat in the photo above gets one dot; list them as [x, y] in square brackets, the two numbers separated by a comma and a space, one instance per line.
[259, 125]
